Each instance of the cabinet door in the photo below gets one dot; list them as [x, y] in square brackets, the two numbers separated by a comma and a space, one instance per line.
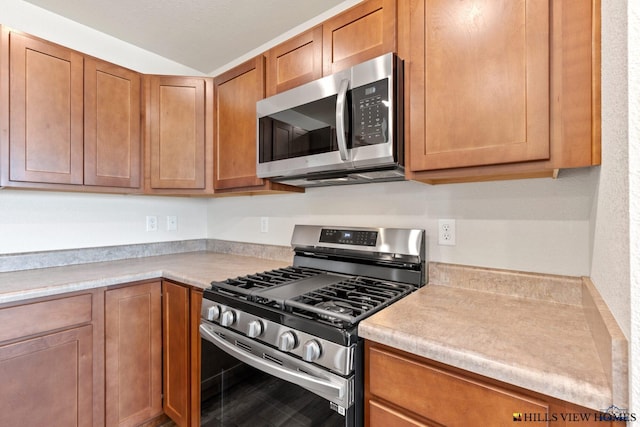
[294, 62]
[177, 132]
[236, 93]
[133, 354]
[361, 33]
[111, 125]
[48, 380]
[478, 82]
[46, 87]
[176, 346]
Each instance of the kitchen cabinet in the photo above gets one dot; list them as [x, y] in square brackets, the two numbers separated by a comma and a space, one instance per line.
[236, 93]
[50, 361]
[406, 390]
[67, 119]
[112, 138]
[46, 111]
[361, 33]
[523, 78]
[181, 353]
[178, 138]
[294, 62]
[133, 354]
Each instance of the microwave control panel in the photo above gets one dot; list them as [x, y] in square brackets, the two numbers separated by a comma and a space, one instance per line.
[371, 113]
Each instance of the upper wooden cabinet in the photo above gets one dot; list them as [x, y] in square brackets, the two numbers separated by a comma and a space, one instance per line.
[361, 33]
[499, 88]
[45, 111]
[178, 134]
[294, 62]
[66, 118]
[480, 71]
[236, 94]
[112, 141]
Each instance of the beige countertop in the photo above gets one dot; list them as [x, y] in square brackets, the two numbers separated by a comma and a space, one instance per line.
[194, 268]
[473, 319]
[538, 343]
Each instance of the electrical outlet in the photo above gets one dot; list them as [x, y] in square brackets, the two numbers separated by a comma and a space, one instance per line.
[172, 223]
[152, 223]
[447, 232]
[264, 224]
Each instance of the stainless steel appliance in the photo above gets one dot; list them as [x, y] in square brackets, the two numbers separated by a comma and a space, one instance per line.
[346, 128]
[281, 347]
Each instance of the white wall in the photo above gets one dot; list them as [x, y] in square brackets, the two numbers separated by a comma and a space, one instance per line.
[532, 225]
[634, 198]
[633, 59]
[616, 249]
[34, 221]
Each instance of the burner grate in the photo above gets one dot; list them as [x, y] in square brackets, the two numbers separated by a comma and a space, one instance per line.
[356, 297]
[247, 285]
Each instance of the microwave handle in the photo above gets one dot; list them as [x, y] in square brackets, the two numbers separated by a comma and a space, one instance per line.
[340, 101]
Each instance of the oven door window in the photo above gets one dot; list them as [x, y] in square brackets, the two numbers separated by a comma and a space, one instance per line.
[236, 394]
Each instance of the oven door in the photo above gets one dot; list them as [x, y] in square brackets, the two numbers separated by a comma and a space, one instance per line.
[253, 384]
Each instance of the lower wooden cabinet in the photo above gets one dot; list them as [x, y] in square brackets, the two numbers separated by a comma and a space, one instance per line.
[95, 358]
[181, 353]
[133, 354]
[47, 361]
[402, 389]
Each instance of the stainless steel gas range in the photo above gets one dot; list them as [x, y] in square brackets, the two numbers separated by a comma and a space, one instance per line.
[281, 347]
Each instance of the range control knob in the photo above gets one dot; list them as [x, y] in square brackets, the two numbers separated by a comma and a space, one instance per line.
[227, 318]
[212, 312]
[254, 328]
[287, 341]
[311, 351]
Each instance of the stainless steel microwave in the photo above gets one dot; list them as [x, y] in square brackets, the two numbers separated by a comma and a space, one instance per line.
[345, 128]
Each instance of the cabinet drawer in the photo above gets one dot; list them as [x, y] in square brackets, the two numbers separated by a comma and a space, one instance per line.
[35, 318]
[443, 397]
[383, 416]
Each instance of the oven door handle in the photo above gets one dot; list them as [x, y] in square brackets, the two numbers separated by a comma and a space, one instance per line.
[340, 102]
[331, 390]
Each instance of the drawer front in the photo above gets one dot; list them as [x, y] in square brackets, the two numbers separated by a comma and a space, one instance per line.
[383, 416]
[36, 318]
[444, 397]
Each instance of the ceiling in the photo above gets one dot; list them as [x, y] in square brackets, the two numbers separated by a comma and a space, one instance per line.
[201, 34]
